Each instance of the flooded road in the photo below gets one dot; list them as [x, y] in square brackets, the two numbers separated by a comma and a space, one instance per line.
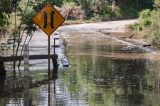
[103, 72]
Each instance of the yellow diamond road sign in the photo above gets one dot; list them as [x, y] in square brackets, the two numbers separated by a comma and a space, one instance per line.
[48, 19]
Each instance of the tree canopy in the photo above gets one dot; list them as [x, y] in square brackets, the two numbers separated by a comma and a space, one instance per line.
[104, 9]
[5, 10]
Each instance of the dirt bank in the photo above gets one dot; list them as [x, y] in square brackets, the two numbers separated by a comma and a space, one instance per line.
[128, 36]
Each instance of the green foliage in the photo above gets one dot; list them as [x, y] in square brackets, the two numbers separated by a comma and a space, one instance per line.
[136, 26]
[71, 11]
[154, 32]
[103, 8]
[157, 3]
[5, 11]
[92, 8]
[38, 4]
[130, 9]
[137, 4]
[149, 22]
[27, 21]
[145, 17]
[6, 8]
[88, 6]
[58, 2]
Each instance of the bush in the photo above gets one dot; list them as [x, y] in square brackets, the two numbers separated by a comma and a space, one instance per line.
[5, 11]
[149, 23]
[145, 17]
[71, 11]
[154, 32]
[136, 26]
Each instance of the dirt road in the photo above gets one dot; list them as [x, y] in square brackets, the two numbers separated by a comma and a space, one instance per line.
[118, 26]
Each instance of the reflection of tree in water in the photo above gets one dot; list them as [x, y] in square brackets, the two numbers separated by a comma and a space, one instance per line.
[9, 88]
[2, 70]
[12, 89]
[2, 83]
[124, 77]
[130, 77]
[127, 76]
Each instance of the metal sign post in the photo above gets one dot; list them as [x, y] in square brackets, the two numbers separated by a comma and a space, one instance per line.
[54, 46]
[48, 19]
[49, 67]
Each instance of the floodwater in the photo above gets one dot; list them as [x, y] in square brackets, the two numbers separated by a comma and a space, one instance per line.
[103, 72]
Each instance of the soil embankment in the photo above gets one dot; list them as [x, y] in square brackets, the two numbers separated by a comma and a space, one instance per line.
[128, 36]
[121, 32]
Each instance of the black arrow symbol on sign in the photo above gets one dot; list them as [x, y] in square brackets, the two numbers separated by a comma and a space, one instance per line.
[51, 21]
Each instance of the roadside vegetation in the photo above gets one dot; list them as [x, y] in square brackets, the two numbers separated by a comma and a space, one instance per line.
[108, 9]
[96, 10]
[149, 24]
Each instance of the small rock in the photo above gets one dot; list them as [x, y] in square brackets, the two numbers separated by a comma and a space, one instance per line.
[146, 45]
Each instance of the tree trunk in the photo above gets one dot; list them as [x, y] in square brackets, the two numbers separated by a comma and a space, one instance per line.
[113, 5]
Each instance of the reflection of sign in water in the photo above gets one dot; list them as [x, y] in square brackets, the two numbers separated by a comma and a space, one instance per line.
[26, 59]
[48, 19]
[26, 74]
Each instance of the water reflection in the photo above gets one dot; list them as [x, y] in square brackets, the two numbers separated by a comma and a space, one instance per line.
[92, 80]
[125, 78]
[2, 89]
[26, 91]
[113, 81]
[100, 82]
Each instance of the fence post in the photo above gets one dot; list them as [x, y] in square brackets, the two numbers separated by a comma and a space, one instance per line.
[55, 66]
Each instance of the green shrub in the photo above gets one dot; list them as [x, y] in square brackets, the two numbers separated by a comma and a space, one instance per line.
[154, 32]
[145, 17]
[72, 11]
[136, 26]
[149, 21]
[145, 20]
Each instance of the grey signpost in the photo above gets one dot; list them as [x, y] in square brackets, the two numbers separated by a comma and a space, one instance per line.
[48, 19]
[26, 75]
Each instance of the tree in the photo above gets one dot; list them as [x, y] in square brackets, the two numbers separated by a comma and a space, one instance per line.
[5, 11]
[149, 23]
[157, 3]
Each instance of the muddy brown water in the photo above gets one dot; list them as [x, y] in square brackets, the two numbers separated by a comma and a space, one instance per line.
[102, 72]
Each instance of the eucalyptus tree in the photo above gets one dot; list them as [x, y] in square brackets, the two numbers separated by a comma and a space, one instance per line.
[92, 7]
